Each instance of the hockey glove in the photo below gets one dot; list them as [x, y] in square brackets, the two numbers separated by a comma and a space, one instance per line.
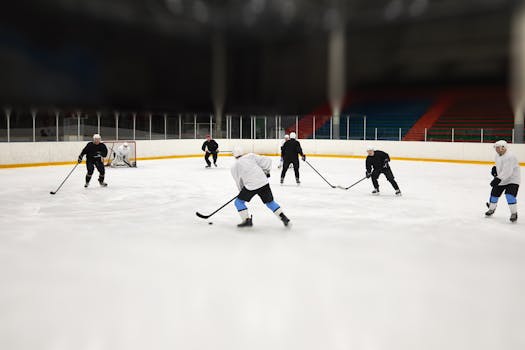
[495, 182]
[267, 174]
[79, 159]
[304, 158]
[493, 171]
[368, 175]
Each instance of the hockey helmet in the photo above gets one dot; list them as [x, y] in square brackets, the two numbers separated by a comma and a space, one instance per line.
[500, 143]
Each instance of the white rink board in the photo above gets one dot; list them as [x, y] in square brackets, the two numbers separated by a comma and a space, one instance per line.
[131, 267]
[49, 152]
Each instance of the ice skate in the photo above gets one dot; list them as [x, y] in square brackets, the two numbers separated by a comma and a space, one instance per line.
[282, 180]
[398, 193]
[297, 181]
[284, 219]
[246, 223]
[86, 185]
[375, 192]
[514, 217]
[208, 166]
[215, 164]
[489, 212]
[103, 184]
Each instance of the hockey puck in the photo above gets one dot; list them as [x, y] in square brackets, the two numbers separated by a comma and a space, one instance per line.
[210, 223]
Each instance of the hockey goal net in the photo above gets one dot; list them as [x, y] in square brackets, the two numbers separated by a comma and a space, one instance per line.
[121, 153]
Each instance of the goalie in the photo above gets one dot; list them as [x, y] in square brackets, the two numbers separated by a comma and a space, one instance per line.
[121, 156]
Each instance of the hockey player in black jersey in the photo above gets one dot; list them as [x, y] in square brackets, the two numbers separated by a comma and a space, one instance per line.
[210, 147]
[95, 151]
[290, 151]
[377, 164]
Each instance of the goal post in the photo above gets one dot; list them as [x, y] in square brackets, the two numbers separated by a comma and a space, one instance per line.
[121, 154]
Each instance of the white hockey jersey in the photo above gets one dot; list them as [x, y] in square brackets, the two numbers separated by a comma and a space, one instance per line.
[508, 169]
[250, 171]
[123, 151]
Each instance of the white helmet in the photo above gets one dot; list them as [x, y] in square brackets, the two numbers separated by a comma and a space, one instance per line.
[293, 135]
[286, 136]
[500, 143]
[370, 148]
[125, 144]
[237, 151]
[96, 136]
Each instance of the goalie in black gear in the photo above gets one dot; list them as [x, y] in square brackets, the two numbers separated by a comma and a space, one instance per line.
[377, 164]
[95, 151]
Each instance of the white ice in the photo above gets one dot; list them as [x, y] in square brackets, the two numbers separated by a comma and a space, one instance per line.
[131, 266]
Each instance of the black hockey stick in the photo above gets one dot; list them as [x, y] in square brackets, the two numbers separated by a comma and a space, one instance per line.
[329, 184]
[352, 185]
[207, 216]
[53, 192]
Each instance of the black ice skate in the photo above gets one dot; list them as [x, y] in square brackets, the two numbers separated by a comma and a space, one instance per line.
[103, 184]
[86, 185]
[246, 223]
[208, 166]
[490, 212]
[375, 191]
[215, 164]
[398, 193]
[282, 180]
[514, 217]
[284, 219]
[297, 181]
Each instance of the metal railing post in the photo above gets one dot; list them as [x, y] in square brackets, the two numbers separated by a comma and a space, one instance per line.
[481, 135]
[165, 126]
[116, 125]
[364, 128]
[331, 127]
[195, 126]
[57, 115]
[375, 132]
[399, 134]
[33, 115]
[134, 125]
[347, 128]
[78, 125]
[211, 126]
[452, 134]
[150, 117]
[180, 126]
[98, 125]
[425, 134]
[512, 135]
[8, 124]
[313, 128]
[240, 127]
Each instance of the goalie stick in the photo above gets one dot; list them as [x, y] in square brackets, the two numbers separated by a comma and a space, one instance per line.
[202, 216]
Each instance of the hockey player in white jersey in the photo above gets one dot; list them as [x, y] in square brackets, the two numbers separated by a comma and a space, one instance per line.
[251, 173]
[122, 156]
[507, 178]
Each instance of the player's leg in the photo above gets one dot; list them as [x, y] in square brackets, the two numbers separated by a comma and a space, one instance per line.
[390, 177]
[296, 170]
[90, 169]
[286, 164]
[240, 203]
[101, 172]
[511, 192]
[495, 193]
[374, 177]
[206, 158]
[265, 193]
[215, 159]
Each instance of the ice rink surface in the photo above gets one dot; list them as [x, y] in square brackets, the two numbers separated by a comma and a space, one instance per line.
[131, 266]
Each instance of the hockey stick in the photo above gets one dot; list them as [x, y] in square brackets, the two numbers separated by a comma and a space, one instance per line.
[352, 185]
[53, 192]
[329, 184]
[207, 216]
